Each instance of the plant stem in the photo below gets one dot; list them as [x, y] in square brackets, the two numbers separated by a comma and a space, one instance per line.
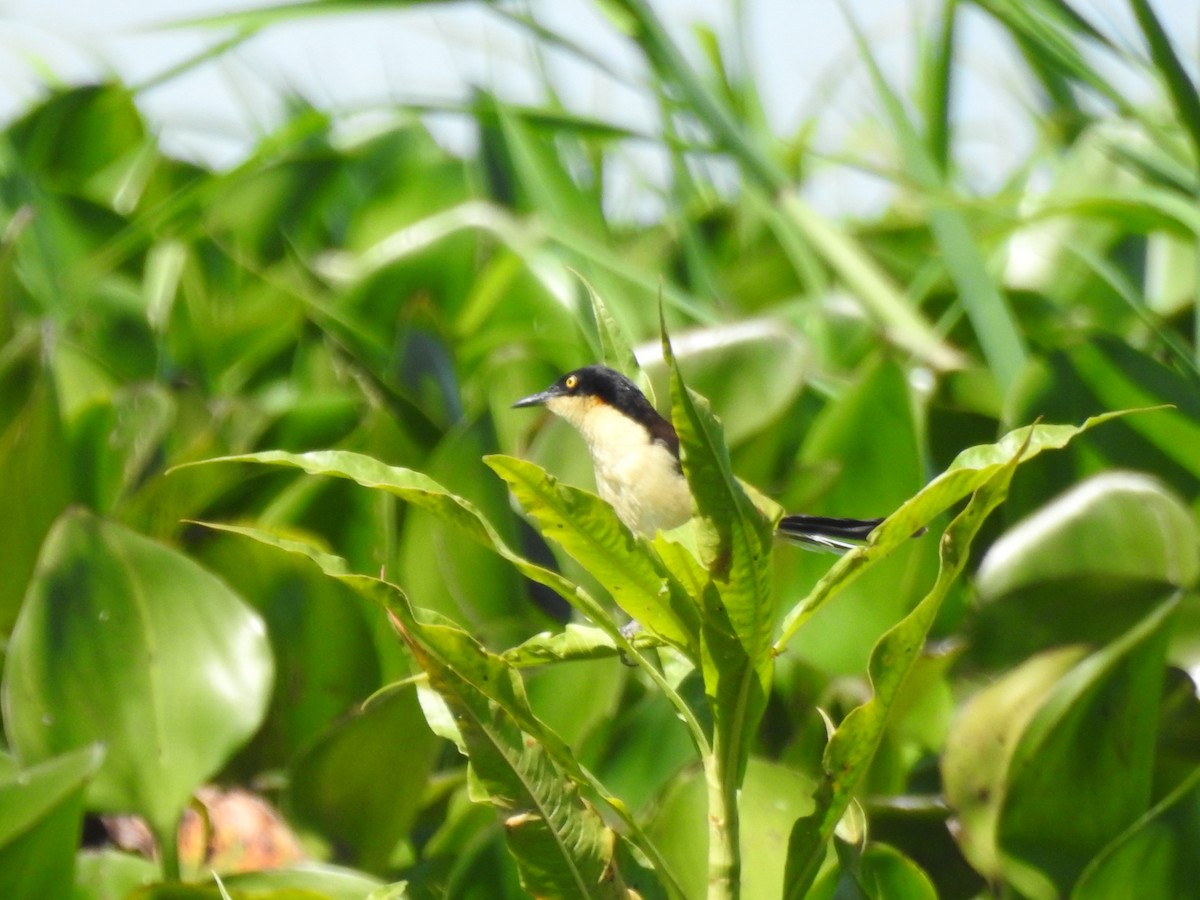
[168, 850]
[724, 848]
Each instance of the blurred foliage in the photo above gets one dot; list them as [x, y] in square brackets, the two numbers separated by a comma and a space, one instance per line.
[1009, 709]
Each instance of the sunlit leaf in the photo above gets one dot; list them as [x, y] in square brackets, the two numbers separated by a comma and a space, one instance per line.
[126, 642]
[590, 531]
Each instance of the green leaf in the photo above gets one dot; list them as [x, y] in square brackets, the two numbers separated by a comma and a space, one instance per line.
[493, 689]
[573, 643]
[1120, 525]
[362, 783]
[854, 742]
[772, 797]
[589, 530]
[1154, 856]
[1171, 69]
[1085, 568]
[1096, 727]
[615, 349]
[308, 881]
[111, 874]
[1105, 373]
[126, 642]
[980, 746]
[35, 479]
[739, 612]
[971, 469]
[41, 812]
[561, 844]
[421, 490]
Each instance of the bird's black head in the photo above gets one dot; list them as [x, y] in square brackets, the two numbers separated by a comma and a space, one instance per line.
[600, 384]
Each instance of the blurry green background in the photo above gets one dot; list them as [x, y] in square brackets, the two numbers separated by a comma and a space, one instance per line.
[859, 289]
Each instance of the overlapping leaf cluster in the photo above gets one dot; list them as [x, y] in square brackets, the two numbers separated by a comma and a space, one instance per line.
[438, 705]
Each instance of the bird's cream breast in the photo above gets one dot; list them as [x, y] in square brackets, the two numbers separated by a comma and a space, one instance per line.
[640, 477]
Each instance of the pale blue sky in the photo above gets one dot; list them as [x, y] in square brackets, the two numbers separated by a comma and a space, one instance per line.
[803, 56]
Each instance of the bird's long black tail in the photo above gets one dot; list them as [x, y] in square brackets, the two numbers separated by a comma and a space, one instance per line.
[832, 533]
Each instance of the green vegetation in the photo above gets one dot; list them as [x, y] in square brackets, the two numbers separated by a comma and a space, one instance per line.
[258, 474]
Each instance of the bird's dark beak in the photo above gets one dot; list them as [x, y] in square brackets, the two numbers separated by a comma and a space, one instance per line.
[538, 399]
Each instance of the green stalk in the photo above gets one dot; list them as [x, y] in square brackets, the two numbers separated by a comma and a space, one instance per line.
[168, 849]
[724, 849]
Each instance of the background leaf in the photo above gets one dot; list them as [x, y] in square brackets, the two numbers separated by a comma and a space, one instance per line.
[125, 642]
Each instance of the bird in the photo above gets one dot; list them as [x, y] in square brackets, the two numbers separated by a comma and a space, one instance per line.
[635, 454]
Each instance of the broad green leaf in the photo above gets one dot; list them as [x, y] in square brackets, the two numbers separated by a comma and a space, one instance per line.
[1120, 525]
[41, 811]
[589, 530]
[1096, 727]
[980, 746]
[854, 742]
[126, 642]
[466, 580]
[1084, 568]
[330, 650]
[881, 872]
[362, 783]
[1153, 857]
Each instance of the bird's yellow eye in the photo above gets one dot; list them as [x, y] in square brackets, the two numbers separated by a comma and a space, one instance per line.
[572, 382]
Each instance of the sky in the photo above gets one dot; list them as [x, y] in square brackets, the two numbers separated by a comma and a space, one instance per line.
[802, 54]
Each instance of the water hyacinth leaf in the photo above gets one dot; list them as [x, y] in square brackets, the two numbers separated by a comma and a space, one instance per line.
[981, 743]
[34, 493]
[1118, 525]
[1096, 727]
[41, 810]
[126, 642]
[589, 530]
[1154, 856]
[1086, 567]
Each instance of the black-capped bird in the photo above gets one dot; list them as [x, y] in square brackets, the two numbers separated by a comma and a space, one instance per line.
[635, 453]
